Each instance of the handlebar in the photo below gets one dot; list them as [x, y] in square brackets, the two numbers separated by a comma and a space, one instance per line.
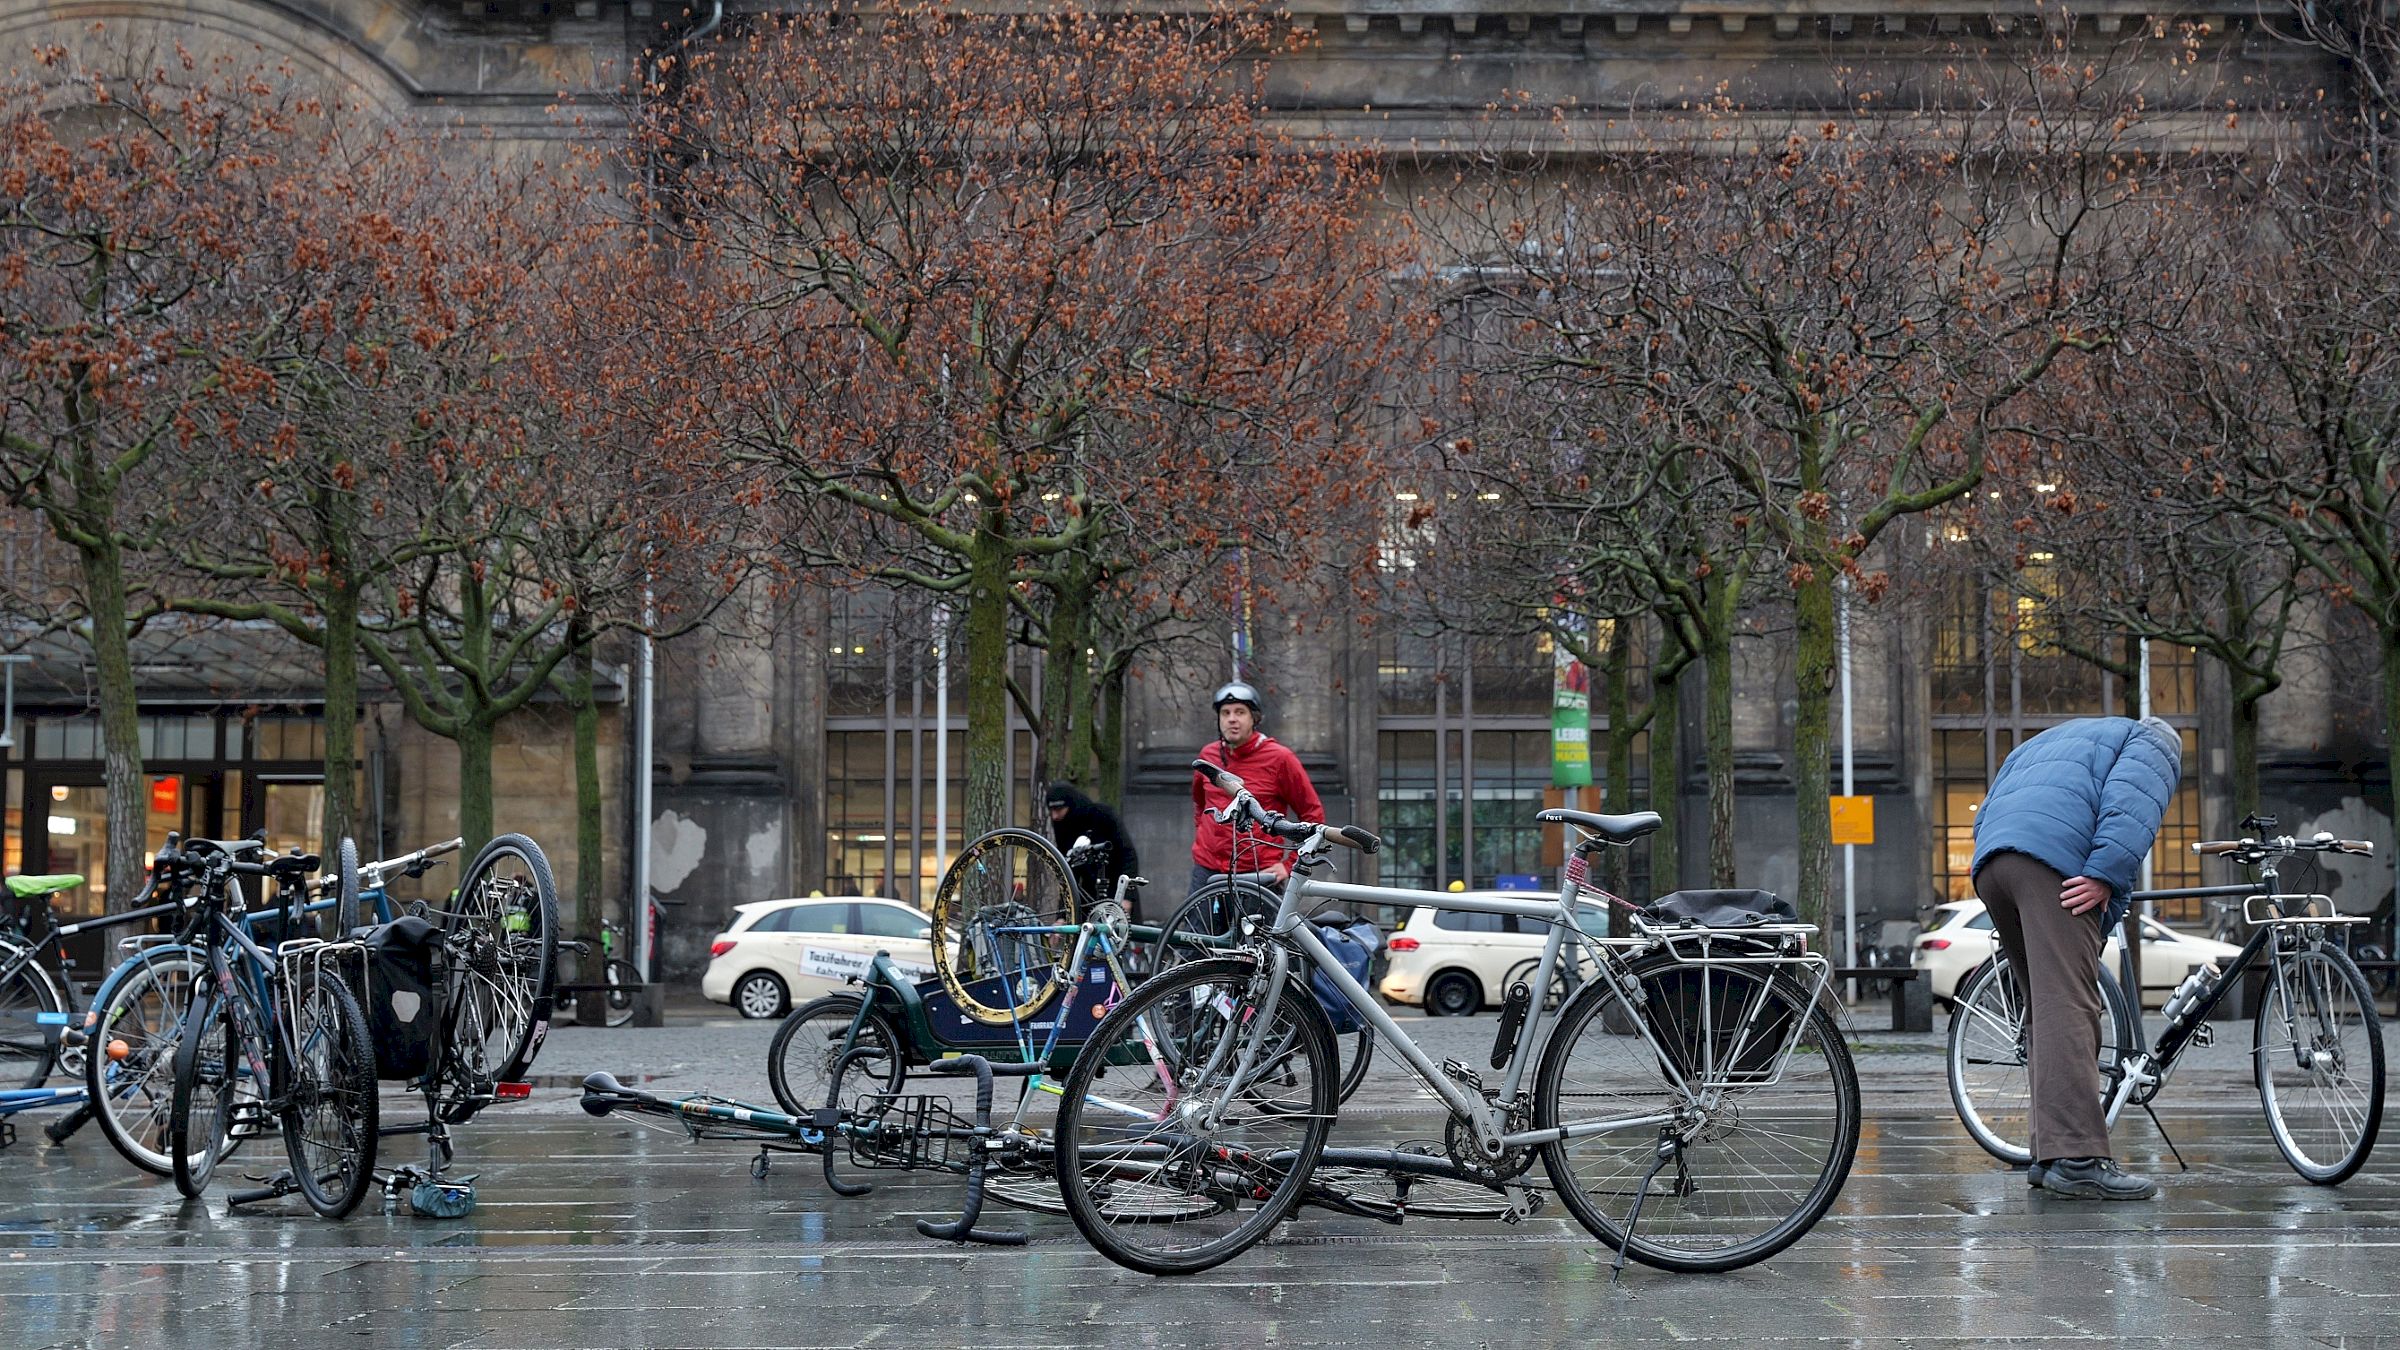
[372, 874]
[1275, 822]
[2259, 850]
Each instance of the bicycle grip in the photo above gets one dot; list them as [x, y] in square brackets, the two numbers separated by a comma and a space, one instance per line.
[2217, 846]
[2354, 846]
[1218, 774]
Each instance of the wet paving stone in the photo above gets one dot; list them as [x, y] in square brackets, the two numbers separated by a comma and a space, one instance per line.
[605, 1233]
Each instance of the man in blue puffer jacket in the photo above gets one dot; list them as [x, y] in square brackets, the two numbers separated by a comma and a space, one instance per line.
[2059, 842]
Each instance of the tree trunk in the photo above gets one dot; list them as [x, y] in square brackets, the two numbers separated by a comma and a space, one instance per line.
[1812, 740]
[1108, 734]
[340, 604]
[2246, 698]
[120, 718]
[987, 678]
[474, 780]
[1717, 730]
[588, 866]
[1666, 768]
[1066, 678]
[1616, 679]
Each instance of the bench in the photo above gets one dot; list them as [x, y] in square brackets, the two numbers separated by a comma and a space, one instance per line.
[1912, 994]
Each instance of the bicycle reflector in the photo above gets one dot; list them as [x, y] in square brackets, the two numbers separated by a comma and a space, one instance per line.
[512, 1092]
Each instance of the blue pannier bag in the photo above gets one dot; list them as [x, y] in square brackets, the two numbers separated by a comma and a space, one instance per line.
[1354, 945]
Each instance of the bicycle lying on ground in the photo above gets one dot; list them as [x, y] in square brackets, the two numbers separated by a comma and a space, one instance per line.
[2316, 1042]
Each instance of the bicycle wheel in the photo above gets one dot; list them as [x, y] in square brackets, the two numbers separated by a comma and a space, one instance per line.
[801, 1058]
[508, 905]
[1005, 883]
[2317, 1048]
[621, 979]
[1990, 1085]
[210, 1061]
[28, 1044]
[1209, 924]
[1169, 1158]
[131, 1091]
[1749, 1095]
[329, 1118]
[345, 890]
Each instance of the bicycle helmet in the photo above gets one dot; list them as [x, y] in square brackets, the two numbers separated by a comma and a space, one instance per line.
[1238, 691]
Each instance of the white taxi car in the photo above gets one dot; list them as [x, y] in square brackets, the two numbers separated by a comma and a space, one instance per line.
[782, 952]
[1960, 939]
[1456, 963]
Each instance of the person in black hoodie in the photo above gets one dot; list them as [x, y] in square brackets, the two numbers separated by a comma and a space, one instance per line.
[1075, 816]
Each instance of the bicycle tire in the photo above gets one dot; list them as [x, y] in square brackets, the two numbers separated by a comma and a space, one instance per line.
[1203, 926]
[131, 1094]
[801, 1058]
[1991, 1087]
[1685, 1223]
[508, 898]
[621, 979]
[329, 1122]
[2307, 994]
[346, 902]
[1007, 879]
[1143, 1182]
[209, 1063]
[28, 1048]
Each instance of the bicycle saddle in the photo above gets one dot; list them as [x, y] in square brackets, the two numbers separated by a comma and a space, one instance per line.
[26, 887]
[1617, 829]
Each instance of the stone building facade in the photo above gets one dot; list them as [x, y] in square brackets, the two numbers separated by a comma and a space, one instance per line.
[798, 749]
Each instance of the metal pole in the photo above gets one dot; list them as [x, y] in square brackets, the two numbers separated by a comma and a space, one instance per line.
[645, 953]
[1849, 778]
[941, 741]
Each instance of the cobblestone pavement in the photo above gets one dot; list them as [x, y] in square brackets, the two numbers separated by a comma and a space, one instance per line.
[593, 1233]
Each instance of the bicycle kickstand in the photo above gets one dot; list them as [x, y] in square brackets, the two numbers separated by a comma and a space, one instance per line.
[278, 1186]
[1668, 1148]
[963, 1228]
[2169, 1139]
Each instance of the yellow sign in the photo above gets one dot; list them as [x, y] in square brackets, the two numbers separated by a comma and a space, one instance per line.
[1853, 820]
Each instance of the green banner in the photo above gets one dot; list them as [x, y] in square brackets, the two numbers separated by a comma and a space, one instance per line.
[1570, 709]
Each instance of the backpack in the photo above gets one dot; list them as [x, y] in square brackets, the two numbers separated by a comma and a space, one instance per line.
[1354, 944]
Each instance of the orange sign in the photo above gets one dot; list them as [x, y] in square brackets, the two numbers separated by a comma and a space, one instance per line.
[1853, 820]
[166, 796]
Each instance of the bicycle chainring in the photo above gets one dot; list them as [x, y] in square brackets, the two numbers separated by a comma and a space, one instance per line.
[1459, 1140]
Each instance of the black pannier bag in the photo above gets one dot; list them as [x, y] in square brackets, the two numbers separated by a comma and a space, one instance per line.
[398, 995]
[1697, 1005]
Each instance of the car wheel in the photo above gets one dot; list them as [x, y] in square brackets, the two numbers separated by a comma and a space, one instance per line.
[759, 994]
[1453, 993]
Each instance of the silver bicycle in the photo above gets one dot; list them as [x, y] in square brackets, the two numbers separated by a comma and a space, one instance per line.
[1691, 1104]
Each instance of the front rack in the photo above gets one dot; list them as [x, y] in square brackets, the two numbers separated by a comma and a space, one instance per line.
[2314, 909]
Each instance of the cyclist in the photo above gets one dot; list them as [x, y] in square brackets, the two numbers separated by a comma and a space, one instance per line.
[2059, 841]
[1075, 816]
[1270, 770]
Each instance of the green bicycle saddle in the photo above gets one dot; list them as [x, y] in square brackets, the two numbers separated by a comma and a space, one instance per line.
[26, 887]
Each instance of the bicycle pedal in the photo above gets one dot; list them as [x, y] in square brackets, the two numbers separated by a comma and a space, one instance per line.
[2204, 1035]
[1458, 1072]
[250, 1120]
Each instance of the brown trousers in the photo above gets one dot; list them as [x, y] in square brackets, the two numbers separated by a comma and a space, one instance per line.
[2057, 956]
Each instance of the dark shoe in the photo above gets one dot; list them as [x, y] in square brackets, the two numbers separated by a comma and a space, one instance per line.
[2033, 1175]
[2091, 1179]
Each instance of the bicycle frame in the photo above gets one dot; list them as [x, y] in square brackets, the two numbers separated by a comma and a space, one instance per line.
[2145, 1066]
[1489, 1118]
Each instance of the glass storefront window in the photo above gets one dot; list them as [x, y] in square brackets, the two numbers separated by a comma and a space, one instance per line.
[295, 817]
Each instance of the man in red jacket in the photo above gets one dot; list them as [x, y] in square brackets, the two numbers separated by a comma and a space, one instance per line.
[1271, 772]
